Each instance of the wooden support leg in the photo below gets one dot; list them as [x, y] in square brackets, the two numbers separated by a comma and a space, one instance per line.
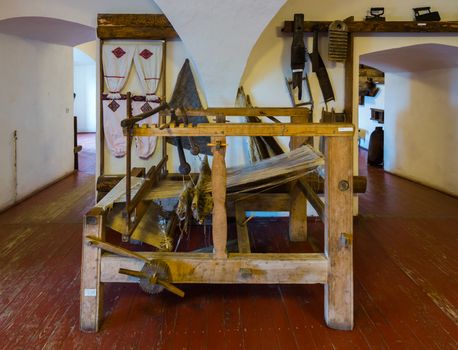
[91, 294]
[338, 228]
[298, 206]
[297, 215]
[219, 197]
[243, 239]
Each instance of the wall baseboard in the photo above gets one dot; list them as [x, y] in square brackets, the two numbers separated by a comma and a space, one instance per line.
[38, 190]
[423, 184]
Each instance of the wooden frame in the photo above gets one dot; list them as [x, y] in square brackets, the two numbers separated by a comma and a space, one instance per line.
[333, 267]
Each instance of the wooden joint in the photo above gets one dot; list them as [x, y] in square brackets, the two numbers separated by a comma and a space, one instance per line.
[344, 185]
[346, 239]
[218, 145]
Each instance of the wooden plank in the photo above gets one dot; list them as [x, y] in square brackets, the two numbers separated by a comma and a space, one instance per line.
[91, 292]
[243, 239]
[339, 232]
[247, 112]
[380, 27]
[298, 202]
[135, 26]
[250, 129]
[219, 218]
[297, 215]
[101, 148]
[237, 268]
[262, 201]
[348, 92]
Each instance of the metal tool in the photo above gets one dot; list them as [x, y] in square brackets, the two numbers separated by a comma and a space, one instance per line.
[338, 41]
[376, 14]
[320, 69]
[298, 53]
[184, 167]
[424, 14]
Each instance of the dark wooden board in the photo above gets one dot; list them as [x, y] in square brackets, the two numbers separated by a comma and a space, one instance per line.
[134, 26]
[380, 27]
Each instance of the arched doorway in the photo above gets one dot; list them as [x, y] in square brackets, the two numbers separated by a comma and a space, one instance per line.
[421, 105]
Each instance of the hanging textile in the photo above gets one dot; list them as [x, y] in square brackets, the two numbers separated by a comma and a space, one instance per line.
[113, 112]
[117, 60]
[148, 63]
[145, 145]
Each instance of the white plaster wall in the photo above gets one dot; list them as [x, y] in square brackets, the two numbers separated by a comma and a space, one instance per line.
[36, 99]
[365, 123]
[421, 127]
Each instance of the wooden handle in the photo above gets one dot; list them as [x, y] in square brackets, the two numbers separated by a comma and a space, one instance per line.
[115, 249]
[171, 288]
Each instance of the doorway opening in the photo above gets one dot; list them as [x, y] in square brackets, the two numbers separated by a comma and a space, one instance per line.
[84, 106]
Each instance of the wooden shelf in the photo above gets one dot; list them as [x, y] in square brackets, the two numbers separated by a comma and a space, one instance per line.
[248, 129]
[380, 26]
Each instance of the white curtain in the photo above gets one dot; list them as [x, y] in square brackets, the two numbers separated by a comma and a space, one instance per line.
[117, 60]
[145, 145]
[113, 112]
[148, 62]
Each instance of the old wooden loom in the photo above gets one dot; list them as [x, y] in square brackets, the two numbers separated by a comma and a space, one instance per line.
[102, 262]
[333, 267]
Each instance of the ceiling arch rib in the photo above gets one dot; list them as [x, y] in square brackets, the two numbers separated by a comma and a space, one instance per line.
[50, 30]
[219, 35]
[413, 58]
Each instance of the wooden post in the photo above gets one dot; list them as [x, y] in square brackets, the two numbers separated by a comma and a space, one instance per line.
[101, 131]
[219, 194]
[91, 293]
[338, 227]
[298, 206]
[162, 118]
[348, 95]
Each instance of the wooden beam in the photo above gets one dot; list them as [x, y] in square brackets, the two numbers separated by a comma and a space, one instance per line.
[380, 27]
[312, 197]
[218, 181]
[246, 112]
[298, 203]
[348, 92]
[248, 129]
[243, 239]
[91, 292]
[134, 26]
[338, 232]
[101, 148]
[237, 268]
[262, 201]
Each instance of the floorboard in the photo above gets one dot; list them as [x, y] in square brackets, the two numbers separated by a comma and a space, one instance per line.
[405, 269]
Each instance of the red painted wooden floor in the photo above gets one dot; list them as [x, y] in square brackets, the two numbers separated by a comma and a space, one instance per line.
[86, 158]
[406, 282]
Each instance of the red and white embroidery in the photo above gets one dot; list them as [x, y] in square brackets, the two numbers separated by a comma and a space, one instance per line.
[118, 52]
[113, 105]
[146, 107]
[146, 54]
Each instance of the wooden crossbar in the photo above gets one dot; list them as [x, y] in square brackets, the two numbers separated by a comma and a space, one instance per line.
[237, 268]
[248, 129]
